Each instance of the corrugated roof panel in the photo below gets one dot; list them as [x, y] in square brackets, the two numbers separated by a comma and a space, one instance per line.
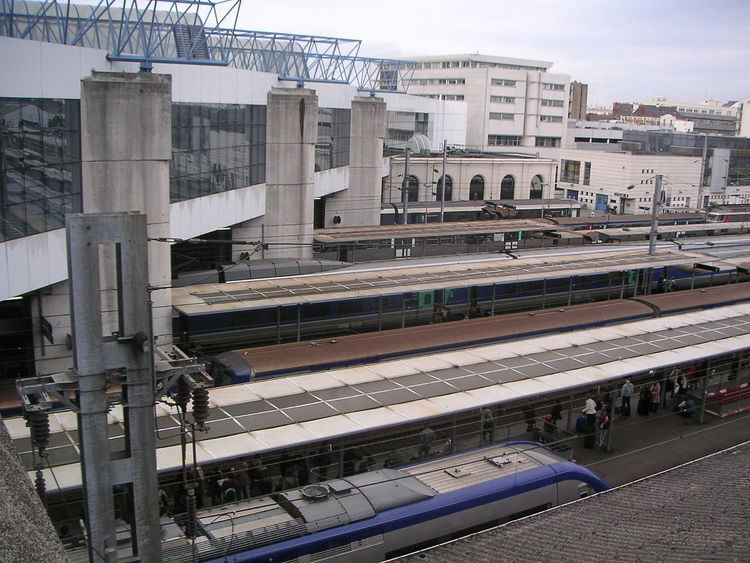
[231, 395]
[456, 401]
[374, 418]
[330, 426]
[282, 436]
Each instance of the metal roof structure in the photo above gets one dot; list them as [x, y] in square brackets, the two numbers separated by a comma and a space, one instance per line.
[695, 512]
[280, 413]
[385, 232]
[200, 32]
[214, 298]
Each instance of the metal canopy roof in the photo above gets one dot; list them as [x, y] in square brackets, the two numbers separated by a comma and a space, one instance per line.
[213, 298]
[385, 232]
[288, 412]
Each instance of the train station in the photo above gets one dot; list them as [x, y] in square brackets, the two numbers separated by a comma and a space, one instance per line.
[263, 299]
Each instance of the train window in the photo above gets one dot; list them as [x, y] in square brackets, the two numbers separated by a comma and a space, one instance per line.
[349, 307]
[311, 311]
[584, 490]
[246, 318]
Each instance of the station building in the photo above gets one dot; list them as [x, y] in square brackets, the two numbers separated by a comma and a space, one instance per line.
[263, 137]
[516, 103]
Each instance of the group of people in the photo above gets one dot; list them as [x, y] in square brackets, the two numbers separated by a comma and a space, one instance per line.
[598, 420]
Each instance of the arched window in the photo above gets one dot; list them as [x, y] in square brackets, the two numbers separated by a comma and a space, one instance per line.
[476, 188]
[537, 185]
[448, 189]
[412, 188]
[508, 187]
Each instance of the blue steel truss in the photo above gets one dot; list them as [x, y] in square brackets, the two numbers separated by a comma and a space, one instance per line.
[198, 32]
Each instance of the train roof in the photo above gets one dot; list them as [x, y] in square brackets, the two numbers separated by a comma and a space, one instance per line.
[332, 286]
[618, 219]
[249, 524]
[716, 228]
[376, 345]
[287, 412]
[694, 512]
[300, 356]
[385, 232]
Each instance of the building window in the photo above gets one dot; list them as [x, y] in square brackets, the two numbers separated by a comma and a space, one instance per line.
[332, 148]
[503, 116]
[537, 187]
[503, 140]
[550, 118]
[571, 171]
[476, 188]
[555, 87]
[40, 165]
[547, 142]
[552, 103]
[216, 148]
[412, 188]
[502, 99]
[503, 82]
[453, 97]
[586, 173]
[448, 189]
[508, 187]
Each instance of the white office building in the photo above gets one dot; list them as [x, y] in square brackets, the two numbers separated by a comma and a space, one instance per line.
[512, 104]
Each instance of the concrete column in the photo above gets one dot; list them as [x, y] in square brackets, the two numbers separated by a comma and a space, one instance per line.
[359, 204]
[126, 148]
[291, 134]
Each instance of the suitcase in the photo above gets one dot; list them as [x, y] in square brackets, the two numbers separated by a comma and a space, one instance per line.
[581, 423]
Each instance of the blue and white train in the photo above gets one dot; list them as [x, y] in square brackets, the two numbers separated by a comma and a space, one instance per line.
[387, 512]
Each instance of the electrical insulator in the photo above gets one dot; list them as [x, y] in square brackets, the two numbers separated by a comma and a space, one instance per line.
[183, 394]
[192, 513]
[40, 485]
[39, 423]
[200, 406]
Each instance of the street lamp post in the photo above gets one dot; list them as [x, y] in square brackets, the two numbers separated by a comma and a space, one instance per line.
[654, 216]
[442, 192]
[405, 187]
[654, 213]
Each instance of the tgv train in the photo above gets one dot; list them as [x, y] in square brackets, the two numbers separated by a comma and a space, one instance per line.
[243, 365]
[388, 512]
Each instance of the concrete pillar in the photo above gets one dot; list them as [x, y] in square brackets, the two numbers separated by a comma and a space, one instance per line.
[291, 134]
[360, 203]
[126, 148]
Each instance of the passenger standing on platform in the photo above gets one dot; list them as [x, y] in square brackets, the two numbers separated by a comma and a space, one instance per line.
[644, 401]
[625, 394]
[680, 384]
[428, 436]
[530, 417]
[556, 413]
[655, 396]
[487, 424]
[604, 423]
[590, 411]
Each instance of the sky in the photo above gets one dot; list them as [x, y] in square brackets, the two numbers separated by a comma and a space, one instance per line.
[685, 50]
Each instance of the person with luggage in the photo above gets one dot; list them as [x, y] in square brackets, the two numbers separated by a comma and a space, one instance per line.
[625, 394]
[589, 439]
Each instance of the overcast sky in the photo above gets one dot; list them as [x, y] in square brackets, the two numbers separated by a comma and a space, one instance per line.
[686, 50]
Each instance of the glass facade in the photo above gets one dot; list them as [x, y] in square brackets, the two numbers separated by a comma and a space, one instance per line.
[40, 165]
[332, 148]
[216, 148]
[400, 127]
